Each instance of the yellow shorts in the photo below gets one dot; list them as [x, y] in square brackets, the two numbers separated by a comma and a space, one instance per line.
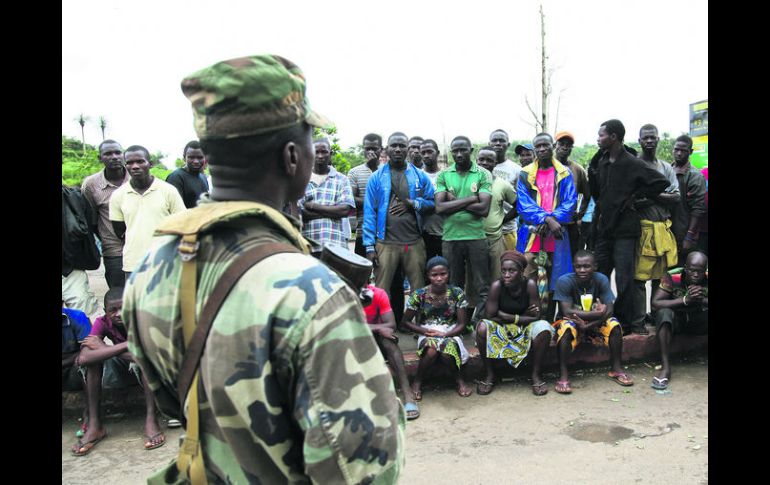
[564, 324]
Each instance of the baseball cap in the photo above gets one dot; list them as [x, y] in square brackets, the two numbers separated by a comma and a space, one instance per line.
[249, 96]
[520, 148]
[565, 134]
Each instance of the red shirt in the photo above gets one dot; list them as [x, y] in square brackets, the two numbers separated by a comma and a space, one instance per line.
[380, 305]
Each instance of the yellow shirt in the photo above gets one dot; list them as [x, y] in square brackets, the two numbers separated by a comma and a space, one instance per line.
[142, 213]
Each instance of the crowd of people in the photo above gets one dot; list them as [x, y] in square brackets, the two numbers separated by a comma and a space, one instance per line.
[519, 253]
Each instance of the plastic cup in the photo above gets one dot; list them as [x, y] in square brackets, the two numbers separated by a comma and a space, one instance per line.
[587, 300]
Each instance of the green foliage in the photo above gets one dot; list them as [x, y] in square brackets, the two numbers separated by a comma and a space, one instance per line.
[340, 158]
[160, 171]
[77, 163]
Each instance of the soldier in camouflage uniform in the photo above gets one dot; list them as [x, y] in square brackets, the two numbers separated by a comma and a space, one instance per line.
[292, 387]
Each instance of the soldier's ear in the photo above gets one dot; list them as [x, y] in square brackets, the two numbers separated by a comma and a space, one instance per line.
[290, 158]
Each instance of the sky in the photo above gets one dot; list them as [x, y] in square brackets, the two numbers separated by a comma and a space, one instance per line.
[433, 69]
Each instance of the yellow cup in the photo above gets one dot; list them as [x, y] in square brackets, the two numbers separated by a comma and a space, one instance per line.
[587, 300]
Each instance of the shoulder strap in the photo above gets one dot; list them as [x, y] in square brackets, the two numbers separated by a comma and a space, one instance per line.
[190, 459]
[226, 282]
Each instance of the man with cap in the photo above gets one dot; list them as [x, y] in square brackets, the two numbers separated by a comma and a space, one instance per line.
[290, 383]
[526, 154]
[564, 143]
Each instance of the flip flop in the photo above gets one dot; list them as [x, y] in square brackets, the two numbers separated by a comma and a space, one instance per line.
[487, 389]
[150, 439]
[412, 408]
[539, 389]
[621, 378]
[563, 387]
[86, 447]
[174, 423]
[659, 383]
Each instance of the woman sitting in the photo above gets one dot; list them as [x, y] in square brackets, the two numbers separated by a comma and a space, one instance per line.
[513, 325]
[439, 313]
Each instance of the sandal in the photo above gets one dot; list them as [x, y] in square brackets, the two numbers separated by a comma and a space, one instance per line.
[483, 387]
[659, 383]
[467, 393]
[621, 378]
[563, 387]
[412, 410]
[539, 389]
[148, 441]
[82, 449]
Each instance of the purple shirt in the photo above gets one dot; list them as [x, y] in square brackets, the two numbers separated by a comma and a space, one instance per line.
[104, 328]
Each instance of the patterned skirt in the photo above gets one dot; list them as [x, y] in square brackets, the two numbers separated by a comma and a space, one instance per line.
[512, 342]
[446, 345]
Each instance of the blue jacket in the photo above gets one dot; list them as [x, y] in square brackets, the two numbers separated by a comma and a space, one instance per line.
[528, 205]
[377, 200]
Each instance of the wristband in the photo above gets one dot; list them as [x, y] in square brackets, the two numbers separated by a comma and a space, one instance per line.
[684, 300]
[515, 319]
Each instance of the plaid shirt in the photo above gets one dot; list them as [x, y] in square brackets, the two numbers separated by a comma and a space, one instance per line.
[334, 190]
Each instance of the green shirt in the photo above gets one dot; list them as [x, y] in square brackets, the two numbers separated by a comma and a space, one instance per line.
[462, 225]
[502, 190]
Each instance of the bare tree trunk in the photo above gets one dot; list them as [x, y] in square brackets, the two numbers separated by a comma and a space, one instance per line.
[543, 79]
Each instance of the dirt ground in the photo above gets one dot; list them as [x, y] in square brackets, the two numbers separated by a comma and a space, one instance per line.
[602, 434]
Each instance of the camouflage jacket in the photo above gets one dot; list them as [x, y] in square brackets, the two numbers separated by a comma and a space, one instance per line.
[292, 386]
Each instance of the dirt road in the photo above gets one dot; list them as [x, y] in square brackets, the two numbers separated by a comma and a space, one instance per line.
[600, 435]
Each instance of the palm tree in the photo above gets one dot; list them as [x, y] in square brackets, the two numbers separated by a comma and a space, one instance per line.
[102, 125]
[81, 119]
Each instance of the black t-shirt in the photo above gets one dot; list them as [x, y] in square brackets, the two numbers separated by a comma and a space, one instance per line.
[190, 186]
[400, 229]
[569, 290]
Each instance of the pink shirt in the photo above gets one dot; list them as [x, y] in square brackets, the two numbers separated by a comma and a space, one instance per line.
[104, 328]
[379, 306]
[546, 184]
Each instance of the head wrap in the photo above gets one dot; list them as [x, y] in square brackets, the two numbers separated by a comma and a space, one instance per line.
[516, 257]
[436, 261]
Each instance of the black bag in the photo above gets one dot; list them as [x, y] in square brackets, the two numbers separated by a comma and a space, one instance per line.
[78, 223]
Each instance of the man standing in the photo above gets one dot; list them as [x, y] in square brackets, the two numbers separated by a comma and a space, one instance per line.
[502, 193]
[564, 143]
[433, 227]
[546, 201]
[463, 197]
[398, 195]
[657, 245]
[98, 189]
[509, 171]
[190, 180]
[526, 154]
[616, 177]
[692, 205]
[277, 403]
[413, 152]
[328, 199]
[358, 177]
[136, 208]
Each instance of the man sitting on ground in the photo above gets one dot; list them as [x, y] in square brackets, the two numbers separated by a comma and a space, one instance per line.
[681, 305]
[586, 303]
[382, 323]
[109, 367]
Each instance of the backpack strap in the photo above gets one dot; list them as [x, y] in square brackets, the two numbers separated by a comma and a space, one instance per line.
[190, 460]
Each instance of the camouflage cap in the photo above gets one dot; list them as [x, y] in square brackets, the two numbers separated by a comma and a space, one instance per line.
[248, 96]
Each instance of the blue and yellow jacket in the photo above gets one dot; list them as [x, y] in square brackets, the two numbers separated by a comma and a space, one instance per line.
[528, 205]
